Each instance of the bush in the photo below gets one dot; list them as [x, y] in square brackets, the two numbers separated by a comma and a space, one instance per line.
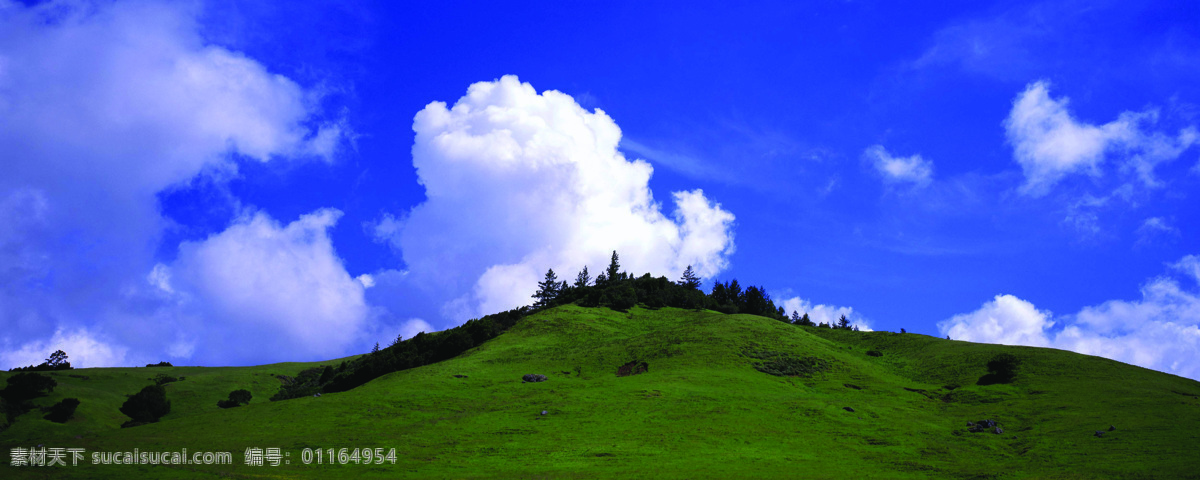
[237, 398]
[1002, 368]
[160, 364]
[147, 406]
[23, 387]
[726, 309]
[62, 411]
[874, 353]
[163, 379]
[620, 298]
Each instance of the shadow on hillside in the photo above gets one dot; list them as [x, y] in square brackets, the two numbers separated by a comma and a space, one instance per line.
[993, 379]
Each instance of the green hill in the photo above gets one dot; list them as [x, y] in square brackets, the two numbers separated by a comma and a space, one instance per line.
[704, 408]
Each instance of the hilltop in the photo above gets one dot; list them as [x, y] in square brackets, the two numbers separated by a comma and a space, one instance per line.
[706, 406]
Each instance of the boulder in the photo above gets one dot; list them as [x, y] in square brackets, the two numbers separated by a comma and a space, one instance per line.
[848, 409]
[460, 376]
[532, 377]
[1098, 433]
[1111, 428]
[543, 412]
[998, 430]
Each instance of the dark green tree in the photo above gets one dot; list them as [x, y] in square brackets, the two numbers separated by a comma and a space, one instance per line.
[147, 406]
[614, 269]
[795, 320]
[62, 411]
[583, 279]
[735, 294]
[237, 398]
[806, 322]
[241, 396]
[620, 297]
[548, 289]
[755, 302]
[1002, 368]
[843, 324]
[689, 279]
[26, 386]
[58, 360]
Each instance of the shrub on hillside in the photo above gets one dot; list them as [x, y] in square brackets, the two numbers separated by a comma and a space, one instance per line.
[237, 398]
[620, 297]
[146, 406]
[163, 379]
[23, 387]
[62, 411]
[1002, 368]
[159, 364]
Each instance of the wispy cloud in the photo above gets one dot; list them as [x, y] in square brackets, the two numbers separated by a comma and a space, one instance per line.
[1050, 144]
[912, 170]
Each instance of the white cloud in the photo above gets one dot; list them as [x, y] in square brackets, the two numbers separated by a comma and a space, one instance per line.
[820, 313]
[1050, 144]
[912, 169]
[1006, 319]
[366, 280]
[518, 182]
[414, 326]
[1160, 331]
[1154, 228]
[102, 106]
[270, 293]
[84, 349]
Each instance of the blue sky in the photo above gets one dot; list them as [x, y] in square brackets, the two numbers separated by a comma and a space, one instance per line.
[236, 182]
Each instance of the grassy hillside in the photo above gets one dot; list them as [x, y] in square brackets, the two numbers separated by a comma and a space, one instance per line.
[702, 410]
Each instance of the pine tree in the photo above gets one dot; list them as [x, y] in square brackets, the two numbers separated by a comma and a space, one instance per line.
[548, 289]
[614, 268]
[735, 294]
[583, 278]
[807, 322]
[690, 280]
[843, 324]
[795, 318]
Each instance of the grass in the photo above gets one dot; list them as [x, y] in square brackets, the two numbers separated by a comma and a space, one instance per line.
[702, 410]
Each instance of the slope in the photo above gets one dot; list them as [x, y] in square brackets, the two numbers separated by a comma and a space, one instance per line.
[702, 410]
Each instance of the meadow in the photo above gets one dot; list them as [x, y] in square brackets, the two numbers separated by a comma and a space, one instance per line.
[706, 407]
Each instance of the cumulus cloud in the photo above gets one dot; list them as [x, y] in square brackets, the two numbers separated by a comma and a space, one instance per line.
[268, 292]
[913, 169]
[1006, 319]
[820, 313]
[518, 182]
[102, 106]
[1160, 331]
[1049, 143]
